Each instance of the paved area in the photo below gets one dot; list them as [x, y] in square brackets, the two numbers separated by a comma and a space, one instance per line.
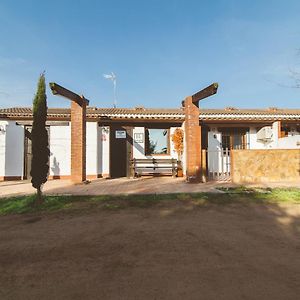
[146, 185]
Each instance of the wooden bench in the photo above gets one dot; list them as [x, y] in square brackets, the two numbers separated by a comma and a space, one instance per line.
[154, 166]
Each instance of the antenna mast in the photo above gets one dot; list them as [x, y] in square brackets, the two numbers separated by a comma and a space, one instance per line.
[113, 78]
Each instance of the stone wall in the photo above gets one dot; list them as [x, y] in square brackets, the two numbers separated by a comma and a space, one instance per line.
[254, 166]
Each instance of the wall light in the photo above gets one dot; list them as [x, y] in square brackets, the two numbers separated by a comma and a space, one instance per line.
[2, 129]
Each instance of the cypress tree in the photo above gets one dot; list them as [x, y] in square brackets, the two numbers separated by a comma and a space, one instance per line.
[39, 140]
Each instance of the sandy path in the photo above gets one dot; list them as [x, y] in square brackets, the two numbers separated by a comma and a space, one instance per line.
[169, 251]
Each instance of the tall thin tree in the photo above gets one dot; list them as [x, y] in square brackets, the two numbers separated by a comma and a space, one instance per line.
[39, 140]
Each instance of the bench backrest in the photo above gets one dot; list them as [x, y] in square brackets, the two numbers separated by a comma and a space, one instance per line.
[154, 160]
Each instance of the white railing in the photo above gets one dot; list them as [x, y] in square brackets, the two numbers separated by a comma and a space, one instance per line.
[218, 164]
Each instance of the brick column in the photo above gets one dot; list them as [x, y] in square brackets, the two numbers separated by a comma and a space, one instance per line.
[78, 131]
[78, 141]
[193, 141]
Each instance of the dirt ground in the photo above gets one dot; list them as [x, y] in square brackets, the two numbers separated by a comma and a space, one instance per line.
[165, 251]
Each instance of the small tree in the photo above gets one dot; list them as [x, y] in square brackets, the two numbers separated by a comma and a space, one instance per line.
[177, 139]
[39, 140]
[178, 142]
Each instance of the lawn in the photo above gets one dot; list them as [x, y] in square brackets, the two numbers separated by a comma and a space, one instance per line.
[25, 204]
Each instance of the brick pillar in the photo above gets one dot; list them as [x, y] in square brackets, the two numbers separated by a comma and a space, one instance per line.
[193, 141]
[78, 141]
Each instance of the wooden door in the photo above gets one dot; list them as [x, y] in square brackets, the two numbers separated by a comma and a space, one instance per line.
[27, 152]
[120, 151]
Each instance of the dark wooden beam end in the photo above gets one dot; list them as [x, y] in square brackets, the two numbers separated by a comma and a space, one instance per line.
[208, 91]
[61, 91]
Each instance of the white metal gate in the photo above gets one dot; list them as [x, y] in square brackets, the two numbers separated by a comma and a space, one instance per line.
[218, 164]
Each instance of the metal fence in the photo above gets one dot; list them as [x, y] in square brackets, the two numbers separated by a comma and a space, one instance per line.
[218, 164]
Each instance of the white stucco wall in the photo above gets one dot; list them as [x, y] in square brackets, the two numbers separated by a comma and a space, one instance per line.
[91, 148]
[97, 150]
[103, 150]
[139, 147]
[60, 150]
[214, 159]
[2, 147]
[253, 143]
[184, 150]
[214, 140]
[14, 149]
[290, 142]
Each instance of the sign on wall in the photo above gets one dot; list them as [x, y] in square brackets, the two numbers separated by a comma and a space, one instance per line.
[120, 134]
[138, 137]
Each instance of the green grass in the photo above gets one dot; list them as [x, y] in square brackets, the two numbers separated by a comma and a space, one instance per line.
[25, 204]
[267, 195]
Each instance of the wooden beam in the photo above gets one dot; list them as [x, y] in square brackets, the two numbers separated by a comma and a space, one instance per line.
[60, 90]
[204, 93]
[208, 91]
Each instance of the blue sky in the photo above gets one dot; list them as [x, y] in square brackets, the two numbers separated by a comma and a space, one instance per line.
[161, 51]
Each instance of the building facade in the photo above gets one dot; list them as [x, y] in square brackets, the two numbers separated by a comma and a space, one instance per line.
[115, 136]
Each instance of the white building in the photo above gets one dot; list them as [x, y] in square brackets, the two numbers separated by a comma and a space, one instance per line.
[115, 136]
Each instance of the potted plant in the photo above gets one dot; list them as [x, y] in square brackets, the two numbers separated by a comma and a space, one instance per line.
[177, 139]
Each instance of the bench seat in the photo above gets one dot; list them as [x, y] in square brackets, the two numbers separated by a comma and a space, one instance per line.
[154, 166]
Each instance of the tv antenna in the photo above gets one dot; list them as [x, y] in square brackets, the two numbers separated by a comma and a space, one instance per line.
[113, 78]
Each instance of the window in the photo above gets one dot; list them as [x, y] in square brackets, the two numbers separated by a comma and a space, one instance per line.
[225, 141]
[157, 141]
[284, 131]
[233, 138]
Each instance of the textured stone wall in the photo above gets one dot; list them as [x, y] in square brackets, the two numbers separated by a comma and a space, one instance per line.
[251, 166]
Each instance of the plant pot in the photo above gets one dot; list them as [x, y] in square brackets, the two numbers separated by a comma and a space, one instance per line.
[179, 172]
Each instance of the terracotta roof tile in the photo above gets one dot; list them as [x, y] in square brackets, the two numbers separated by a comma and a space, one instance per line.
[159, 113]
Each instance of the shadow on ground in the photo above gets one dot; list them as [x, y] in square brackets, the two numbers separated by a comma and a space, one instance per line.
[180, 249]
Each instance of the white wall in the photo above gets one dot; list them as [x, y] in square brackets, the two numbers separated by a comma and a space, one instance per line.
[14, 149]
[214, 140]
[97, 149]
[184, 150]
[2, 147]
[214, 157]
[91, 148]
[139, 147]
[253, 143]
[290, 142]
[60, 150]
[103, 150]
